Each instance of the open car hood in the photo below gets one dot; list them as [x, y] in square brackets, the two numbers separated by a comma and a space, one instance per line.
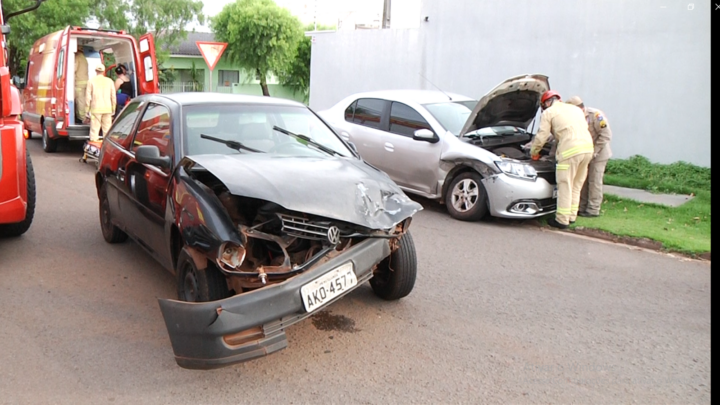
[513, 102]
[343, 189]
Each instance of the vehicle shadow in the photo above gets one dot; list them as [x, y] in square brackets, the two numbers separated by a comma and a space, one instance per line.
[64, 147]
[435, 206]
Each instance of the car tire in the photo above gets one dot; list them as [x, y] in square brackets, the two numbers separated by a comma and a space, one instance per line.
[395, 275]
[111, 233]
[194, 285]
[49, 145]
[466, 198]
[21, 227]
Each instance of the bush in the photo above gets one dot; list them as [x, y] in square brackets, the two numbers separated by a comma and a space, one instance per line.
[638, 172]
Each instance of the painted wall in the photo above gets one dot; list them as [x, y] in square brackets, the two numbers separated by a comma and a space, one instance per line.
[247, 85]
[645, 63]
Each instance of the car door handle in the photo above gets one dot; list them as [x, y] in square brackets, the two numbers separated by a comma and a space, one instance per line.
[389, 147]
[345, 136]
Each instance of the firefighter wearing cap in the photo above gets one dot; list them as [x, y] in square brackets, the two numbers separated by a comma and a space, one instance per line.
[101, 103]
[81, 80]
[574, 152]
[591, 196]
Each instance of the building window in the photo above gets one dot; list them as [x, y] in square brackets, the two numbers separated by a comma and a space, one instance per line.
[228, 77]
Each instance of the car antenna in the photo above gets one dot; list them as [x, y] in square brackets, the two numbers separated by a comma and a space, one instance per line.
[450, 98]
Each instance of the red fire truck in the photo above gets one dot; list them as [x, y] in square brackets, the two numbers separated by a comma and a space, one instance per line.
[17, 180]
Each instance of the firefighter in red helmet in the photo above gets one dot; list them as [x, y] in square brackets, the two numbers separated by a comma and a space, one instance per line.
[573, 154]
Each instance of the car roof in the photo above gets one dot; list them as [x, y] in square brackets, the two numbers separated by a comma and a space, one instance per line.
[195, 98]
[414, 96]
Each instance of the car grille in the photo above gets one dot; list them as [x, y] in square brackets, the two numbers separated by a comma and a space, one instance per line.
[303, 228]
[548, 176]
[547, 204]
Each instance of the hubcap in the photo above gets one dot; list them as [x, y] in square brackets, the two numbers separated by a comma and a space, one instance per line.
[465, 195]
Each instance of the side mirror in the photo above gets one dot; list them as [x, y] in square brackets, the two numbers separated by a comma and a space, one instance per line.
[353, 147]
[150, 155]
[425, 135]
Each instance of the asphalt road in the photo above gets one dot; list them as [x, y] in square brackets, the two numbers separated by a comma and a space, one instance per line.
[500, 313]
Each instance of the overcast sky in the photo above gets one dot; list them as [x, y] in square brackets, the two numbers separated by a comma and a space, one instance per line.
[325, 11]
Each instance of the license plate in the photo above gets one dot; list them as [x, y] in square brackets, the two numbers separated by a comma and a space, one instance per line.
[323, 289]
[554, 193]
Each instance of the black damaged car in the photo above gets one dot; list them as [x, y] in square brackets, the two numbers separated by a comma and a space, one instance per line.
[260, 210]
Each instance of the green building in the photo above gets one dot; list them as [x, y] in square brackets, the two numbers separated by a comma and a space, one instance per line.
[190, 72]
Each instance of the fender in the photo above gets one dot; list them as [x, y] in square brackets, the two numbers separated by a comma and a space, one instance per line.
[201, 219]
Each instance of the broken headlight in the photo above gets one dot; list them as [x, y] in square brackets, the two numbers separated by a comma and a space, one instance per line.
[230, 256]
[517, 169]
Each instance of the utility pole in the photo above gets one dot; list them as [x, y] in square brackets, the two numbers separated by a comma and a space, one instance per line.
[386, 14]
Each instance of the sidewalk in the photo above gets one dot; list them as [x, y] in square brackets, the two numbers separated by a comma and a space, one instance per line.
[672, 200]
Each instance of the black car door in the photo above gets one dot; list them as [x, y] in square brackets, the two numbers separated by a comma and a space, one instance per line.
[148, 183]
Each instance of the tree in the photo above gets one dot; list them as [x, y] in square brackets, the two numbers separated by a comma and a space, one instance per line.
[262, 37]
[167, 19]
[27, 28]
[296, 75]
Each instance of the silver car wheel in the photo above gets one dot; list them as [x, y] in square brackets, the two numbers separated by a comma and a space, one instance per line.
[465, 195]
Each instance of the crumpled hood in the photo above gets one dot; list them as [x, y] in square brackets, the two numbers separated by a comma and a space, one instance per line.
[344, 189]
[514, 102]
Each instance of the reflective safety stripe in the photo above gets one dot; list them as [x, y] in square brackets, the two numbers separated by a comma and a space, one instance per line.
[575, 207]
[587, 148]
[80, 82]
[564, 211]
[562, 166]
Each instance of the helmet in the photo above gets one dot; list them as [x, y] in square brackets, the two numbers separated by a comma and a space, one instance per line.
[548, 95]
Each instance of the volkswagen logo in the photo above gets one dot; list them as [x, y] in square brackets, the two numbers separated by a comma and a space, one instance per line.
[333, 235]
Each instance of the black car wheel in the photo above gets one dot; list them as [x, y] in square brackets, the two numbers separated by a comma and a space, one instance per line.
[395, 276]
[21, 227]
[195, 285]
[49, 145]
[466, 198]
[111, 233]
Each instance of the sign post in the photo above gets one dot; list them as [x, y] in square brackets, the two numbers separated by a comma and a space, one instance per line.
[211, 52]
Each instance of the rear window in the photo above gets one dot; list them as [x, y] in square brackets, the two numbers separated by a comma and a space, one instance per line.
[368, 112]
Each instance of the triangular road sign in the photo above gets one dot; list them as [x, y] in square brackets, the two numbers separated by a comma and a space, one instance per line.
[211, 51]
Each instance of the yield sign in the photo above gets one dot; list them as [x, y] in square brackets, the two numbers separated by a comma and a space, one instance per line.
[211, 51]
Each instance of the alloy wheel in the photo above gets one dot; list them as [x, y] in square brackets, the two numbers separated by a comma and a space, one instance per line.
[465, 195]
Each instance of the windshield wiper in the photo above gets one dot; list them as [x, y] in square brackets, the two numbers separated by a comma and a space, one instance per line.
[230, 143]
[307, 139]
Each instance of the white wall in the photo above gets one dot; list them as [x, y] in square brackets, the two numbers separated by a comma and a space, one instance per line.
[646, 63]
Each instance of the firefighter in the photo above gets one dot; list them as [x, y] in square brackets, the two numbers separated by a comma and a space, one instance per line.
[574, 152]
[81, 79]
[101, 102]
[591, 196]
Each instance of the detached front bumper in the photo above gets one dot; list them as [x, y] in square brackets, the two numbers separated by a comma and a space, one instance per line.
[254, 322]
[510, 197]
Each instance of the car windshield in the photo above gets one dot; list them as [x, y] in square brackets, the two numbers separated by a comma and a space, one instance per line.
[250, 128]
[452, 115]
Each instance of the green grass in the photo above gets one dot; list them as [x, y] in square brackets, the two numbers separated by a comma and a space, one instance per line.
[639, 172]
[683, 229]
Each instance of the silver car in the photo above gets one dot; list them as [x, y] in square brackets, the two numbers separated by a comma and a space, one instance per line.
[470, 155]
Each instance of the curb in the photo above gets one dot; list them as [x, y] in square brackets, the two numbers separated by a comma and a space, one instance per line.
[643, 243]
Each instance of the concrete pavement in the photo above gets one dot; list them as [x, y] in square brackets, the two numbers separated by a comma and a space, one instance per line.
[500, 314]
